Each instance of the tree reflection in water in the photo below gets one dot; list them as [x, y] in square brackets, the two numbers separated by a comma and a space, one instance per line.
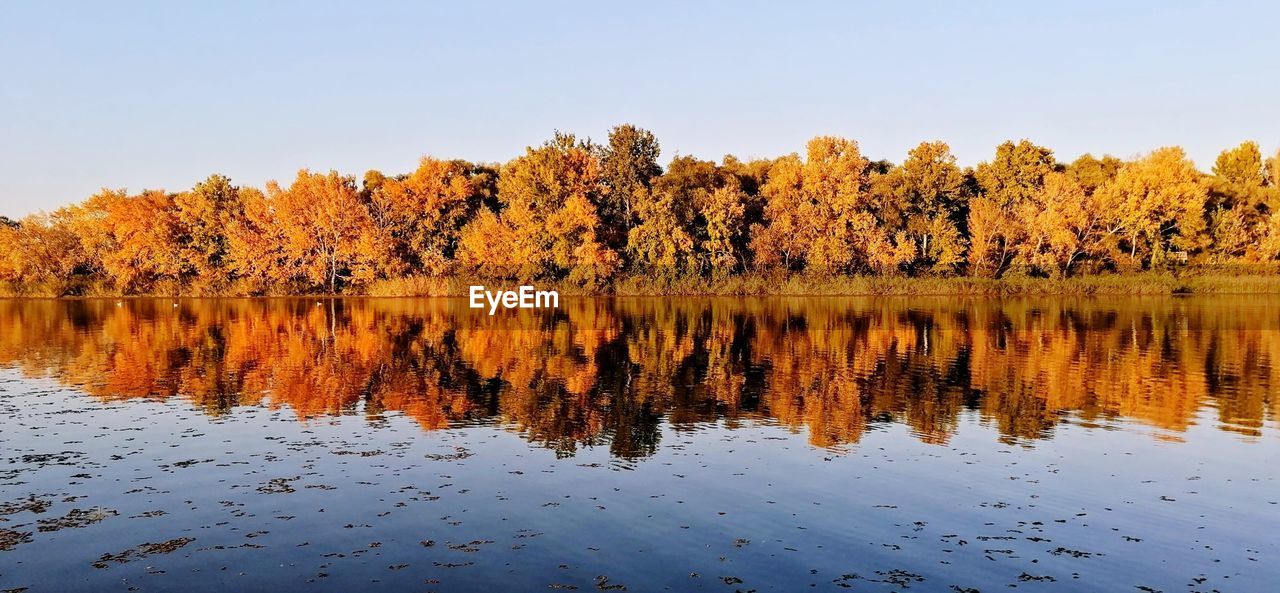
[610, 371]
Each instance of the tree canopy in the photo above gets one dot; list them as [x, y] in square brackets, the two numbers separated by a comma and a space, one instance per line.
[574, 211]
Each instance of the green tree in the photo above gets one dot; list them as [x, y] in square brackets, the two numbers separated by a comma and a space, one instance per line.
[629, 163]
[1090, 173]
[203, 214]
[1016, 174]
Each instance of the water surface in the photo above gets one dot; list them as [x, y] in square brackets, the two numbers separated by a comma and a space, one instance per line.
[640, 444]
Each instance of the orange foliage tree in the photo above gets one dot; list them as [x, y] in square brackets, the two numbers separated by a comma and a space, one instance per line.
[40, 252]
[819, 213]
[327, 233]
[580, 213]
[422, 213]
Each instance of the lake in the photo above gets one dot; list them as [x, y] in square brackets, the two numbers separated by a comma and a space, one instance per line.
[649, 444]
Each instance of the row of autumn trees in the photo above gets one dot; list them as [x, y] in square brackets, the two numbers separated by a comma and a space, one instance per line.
[583, 213]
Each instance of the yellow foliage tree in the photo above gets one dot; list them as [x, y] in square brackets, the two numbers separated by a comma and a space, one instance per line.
[724, 211]
[40, 252]
[1153, 206]
[255, 243]
[1273, 170]
[549, 217]
[1014, 178]
[990, 230]
[919, 200]
[1060, 226]
[570, 210]
[660, 241]
[1239, 201]
[819, 213]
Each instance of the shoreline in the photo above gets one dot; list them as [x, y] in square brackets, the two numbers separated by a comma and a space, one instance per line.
[799, 285]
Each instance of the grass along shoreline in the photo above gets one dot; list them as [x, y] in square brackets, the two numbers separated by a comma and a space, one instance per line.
[1145, 283]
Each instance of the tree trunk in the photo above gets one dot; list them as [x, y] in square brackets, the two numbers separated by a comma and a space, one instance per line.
[333, 273]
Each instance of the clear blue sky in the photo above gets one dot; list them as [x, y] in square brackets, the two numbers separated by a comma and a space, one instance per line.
[159, 95]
